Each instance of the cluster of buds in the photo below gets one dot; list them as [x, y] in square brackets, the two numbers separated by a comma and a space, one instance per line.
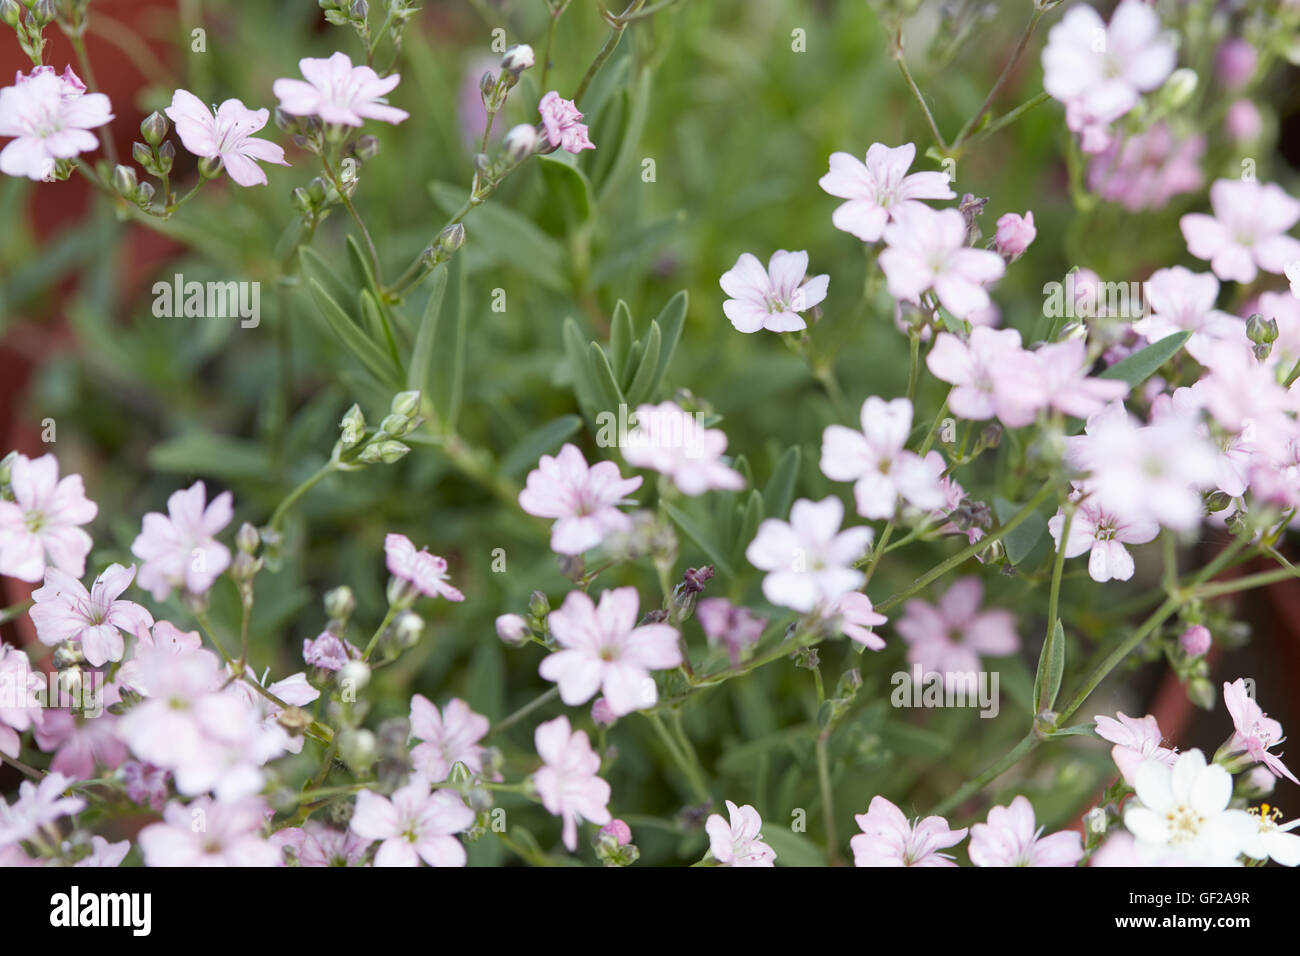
[495, 89]
[244, 566]
[443, 247]
[357, 447]
[157, 153]
[521, 141]
[516, 630]
[312, 200]
[67, 662]
[614, 846]
[130, 188]
[29, 25]
[343, 13]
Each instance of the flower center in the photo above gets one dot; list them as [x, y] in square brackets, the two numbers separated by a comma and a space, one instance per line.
[1184, 823]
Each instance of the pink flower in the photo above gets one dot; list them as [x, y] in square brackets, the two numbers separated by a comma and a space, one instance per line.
[294, 690]
[771, 298]
[82, 744]
[328, 651]
[165, 635]
[567, 781]
[1247, 231]
[618, 830]
[583, 500]
[1242, 123]
[66, 611]
[228, 134]
[339, 92]
[207, 832]
[103, 853]
[1196, 641]
[145, 784]
[1135, 741]
[1183, 301]
[888, 839]
[560, 118]
[1066, 384]
[449, 738]
[1254, 732]
[927, 251]
[179, 549]
[809, 560]
[1147, 169]
[875, 460]
[738, 842]
[1235, 62]
[40, 526]
[1099, 71]
[735, 628]
[603, 650]
[949, 638]
[673, 442]
[512, 629]
[1010, 839]
[20, 707]
[877, 189]
[857, 617]
[1014, 234]
[991, 374]
[1103, 535]
[414, 825]
[425, 572]
[50, 117]
[36, 806]
[315, 844]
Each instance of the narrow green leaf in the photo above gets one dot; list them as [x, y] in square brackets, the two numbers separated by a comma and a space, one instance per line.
[670, 319]
[450, 353]
[422, 352]
[793, 849]
[1020, 542]
[779, 491]
[378, 327]
[620, 337]
[575, 352]
[701, 536]
[360, 264]
[352, 337]
[603, 375]
[1140, 366]
[540, 441]
[1051, 665]
[210, 455]
[315, 266]
[639, 391]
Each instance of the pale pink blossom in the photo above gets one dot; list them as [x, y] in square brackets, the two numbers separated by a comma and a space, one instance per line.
[888, 838]
[739, 841]
[207, 832]
[808, 559]
[771, 298]
[328, 651]
[65, 611]
[315, 844]
[1247, 232]
[1135, 740]
[1099, 71]
[294, 690]
[1014, 234]
[878, 188]
[1183, 301]
[991, 375]
[1147, 169]
[1010, 838]
[1254, 732]
[179, 549]
[1067, 386]
[145, 784]
[926, 250]
[448, 737]
[1235, 62]
[38, 804]
[856, 616]
[876, 461]
[40, 527]
[602, 649]
[1242, 122]
[105, 854]
[735, 628]
[567, 781]
[50, 118]
[948, 638]
[339, 92]
[414, 825]
[425, 572]
[20, 707]
[582, 499]
[81, 745]
[673, 442]
[562, 122]
[1103, 535]
[227, 134]
[164, 635]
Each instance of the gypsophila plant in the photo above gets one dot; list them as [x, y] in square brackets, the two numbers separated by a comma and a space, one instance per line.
[734, 434]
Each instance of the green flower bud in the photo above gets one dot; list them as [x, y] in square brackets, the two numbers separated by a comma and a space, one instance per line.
[358, 749]
[166, 156]
[367, 148]
[395, 426]
[44, 13]
[409, 628]
[301, 201]
[383, 452]
[142, 154]
[340, 603]
[210, 167]
[10, 13]
[247, 539]
[405, 403]
[124, 181]
[449, 240]
[144, 194]
[538, 605]
[154, 128]
[352, 427]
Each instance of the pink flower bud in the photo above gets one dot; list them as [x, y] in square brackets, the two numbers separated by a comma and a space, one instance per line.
[1235, 62]
[619, 830]
[1195, 640]
[1014, 234]
[512, 629]
[1243, 123]
[602, 714]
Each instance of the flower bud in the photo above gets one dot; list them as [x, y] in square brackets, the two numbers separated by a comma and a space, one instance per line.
[602, 715]
[367, 148]
[359, 10]
[487, 87]
[124, 181]
[1014, 234]
[1243, 123]
[1179, 88]
[383, 452]
[154, 128]
[1196, 640]
[395, 426]
[67, 655]
[142, 154]
[144, 194]
[538, 605]
[317, 189]
[1235, 62]
[519, 142]
[43, 12]
[1217, 501]
[449, 240]
[295, 720]
[10, 13]
[1201, 692]
[247, 538]
[620, 831]
[352, 427]
[340, 603]
[301, 201]
[1260, 330]
[405, 403]
[358, 749]
[512, 629]
[517, 59]
[408, 627]
[166, 156]
[355, 674]
[210, 167]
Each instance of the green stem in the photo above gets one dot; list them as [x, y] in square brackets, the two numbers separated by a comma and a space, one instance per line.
[828, 800]
[617, 24]
[14, 611]
[693, 775]
[916, 92]
[379, 631]
[1002, 78]
[282, 509]
[524, 711]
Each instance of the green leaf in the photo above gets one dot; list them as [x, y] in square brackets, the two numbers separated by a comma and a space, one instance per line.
[506, 236]
[565, 181]
[629, 146]
[620, 336]
[353, 338]
[1140, 366]
[779, 491]
[211, 455]
[450, 350]
[314, 266]
[1078, 730]
[1051, 665]
[792, 849]
[360, 264]
[376, 323]
[670, 319]
[422, 351]
[575, 352]
[603, 375]
[538, 442]
[639, 390]
[701, 536]
[1022, 538]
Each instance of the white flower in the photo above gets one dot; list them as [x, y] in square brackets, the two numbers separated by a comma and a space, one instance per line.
[1271, 839]
[740, 842]
[809, 559]
[1185, 809]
